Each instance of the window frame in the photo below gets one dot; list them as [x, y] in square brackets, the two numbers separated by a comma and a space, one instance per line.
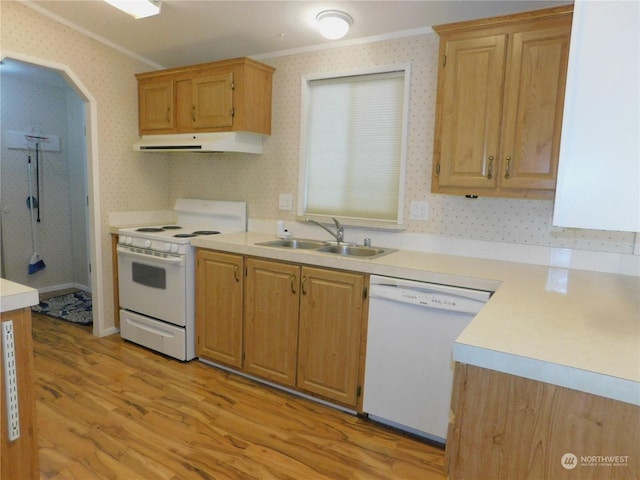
[397, 224]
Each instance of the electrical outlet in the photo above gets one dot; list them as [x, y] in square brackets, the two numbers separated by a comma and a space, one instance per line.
[285, 201]
[419, 211]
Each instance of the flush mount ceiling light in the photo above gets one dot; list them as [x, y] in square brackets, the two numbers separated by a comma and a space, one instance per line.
[137, 8]
[334, 24]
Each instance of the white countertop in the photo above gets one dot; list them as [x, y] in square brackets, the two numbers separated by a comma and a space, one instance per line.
[574, 328]
[14, 296]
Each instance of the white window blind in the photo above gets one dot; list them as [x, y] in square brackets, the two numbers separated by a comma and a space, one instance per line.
[353, 146]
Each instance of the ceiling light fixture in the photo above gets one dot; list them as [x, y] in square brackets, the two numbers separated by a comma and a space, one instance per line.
[334, 24]
[137, 8]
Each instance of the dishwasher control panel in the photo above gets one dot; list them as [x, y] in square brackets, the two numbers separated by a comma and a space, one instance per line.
[416, 296]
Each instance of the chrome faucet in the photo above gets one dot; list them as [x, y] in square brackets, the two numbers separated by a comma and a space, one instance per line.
[338, 234]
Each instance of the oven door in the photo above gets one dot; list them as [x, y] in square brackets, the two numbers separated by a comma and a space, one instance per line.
[152, 285]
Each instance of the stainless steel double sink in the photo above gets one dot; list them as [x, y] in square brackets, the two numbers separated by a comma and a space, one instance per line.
[343, 248]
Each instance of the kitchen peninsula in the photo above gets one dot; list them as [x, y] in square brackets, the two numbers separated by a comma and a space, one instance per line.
[573, 329]
[19, 453]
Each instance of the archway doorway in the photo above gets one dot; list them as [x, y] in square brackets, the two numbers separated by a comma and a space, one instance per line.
[85, 144]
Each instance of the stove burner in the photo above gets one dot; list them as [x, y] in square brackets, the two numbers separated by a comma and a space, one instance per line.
[171, 227]
[148, 229]
[184, 235]
[206, 232]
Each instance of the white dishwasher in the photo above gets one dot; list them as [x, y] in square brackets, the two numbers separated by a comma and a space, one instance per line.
[409, 361]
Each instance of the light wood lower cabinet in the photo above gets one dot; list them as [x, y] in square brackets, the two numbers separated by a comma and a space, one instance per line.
[219, 309]
[507, 427]
[330, 331]
[272, 305]
[298, 326]
[19, 457]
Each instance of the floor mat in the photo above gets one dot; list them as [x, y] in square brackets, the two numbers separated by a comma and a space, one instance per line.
[74, 307]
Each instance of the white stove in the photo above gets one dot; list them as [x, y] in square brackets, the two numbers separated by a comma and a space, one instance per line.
[163, 238]
[193, 218]
[156, 271]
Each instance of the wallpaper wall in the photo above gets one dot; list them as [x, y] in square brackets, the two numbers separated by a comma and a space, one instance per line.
[260, 179]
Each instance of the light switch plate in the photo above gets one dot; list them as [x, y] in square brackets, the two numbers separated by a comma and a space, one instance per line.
[285, 201]
[419, 210]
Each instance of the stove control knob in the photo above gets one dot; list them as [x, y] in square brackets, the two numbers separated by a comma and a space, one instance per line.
[167, 247]
[127, 240]
[147, 243]
[174, 248]
[122, 239]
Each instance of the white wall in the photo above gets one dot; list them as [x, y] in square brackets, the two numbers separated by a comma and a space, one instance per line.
[599, 176]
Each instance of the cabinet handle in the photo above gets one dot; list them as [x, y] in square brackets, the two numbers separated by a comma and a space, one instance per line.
[490, 170]
[293, 284]
[168, 114]
[507, 173]
[193, 113]
[236, 269]
[304, 280]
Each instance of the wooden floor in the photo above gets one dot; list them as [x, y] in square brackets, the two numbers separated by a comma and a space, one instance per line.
[107, 409]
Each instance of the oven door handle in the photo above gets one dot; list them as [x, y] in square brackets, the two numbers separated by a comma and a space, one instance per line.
[179, 260]
[150, 328]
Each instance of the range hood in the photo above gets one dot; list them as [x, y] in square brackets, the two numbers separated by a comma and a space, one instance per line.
[217, 142]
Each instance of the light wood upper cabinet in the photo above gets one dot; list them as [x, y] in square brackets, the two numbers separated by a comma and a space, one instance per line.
[331, 318]
[500, 101]
[271, 320]
[213, 101]
[156, 101]
[471, 103]
[219, 308]
[231, 95]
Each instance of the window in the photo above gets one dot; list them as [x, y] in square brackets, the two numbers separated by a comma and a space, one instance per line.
[353, 146]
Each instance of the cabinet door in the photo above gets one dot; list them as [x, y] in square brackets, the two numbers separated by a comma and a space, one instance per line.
[271, 320]
[212, 101]
[534, 99]
[156, 106]
[470, 92]
[331, 311]
[219, 287]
